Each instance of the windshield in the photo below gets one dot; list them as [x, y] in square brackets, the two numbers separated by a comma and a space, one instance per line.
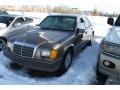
[59, 23]
[117, 23]
[6, 19]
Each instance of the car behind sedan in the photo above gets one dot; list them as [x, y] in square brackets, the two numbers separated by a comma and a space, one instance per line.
[109, 53]
[9, 25]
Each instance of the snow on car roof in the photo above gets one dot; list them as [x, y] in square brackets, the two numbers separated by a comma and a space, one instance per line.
[13, 15]
[58, 14]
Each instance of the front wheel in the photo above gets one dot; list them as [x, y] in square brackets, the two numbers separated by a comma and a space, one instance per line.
[67, 60]
[2, 44]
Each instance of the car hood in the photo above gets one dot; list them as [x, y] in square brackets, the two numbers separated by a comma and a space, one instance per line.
[36, 36]
[114, 35]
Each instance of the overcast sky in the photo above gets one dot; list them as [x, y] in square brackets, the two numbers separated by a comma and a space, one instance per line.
[102, 5]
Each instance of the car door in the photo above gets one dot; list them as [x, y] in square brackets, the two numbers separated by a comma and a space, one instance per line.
[88, 29]
[80, 34]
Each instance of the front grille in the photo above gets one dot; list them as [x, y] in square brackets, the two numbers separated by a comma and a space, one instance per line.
[23, 50]
[17, 49]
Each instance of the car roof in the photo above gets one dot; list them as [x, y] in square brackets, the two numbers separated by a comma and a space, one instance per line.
[69, 15]
[13, 16]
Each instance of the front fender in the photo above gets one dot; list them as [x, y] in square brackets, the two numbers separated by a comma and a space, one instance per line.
[68, 46]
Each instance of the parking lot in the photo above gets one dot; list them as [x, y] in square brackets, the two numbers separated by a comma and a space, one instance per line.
[82, 70]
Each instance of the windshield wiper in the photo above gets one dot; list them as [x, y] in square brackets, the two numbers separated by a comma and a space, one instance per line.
[45, 28]
[55, 29]
[51, 28]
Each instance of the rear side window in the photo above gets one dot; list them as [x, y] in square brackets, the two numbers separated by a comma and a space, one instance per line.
[81, 23]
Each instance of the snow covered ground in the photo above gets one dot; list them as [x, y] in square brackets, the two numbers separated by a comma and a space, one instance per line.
[81, 72]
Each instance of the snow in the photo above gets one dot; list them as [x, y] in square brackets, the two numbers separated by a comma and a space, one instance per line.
[82, 70]
[100, 25]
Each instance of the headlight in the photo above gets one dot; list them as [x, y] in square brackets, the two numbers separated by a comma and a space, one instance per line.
[10, 46]
[50, 54]
[110, 48]
[45, 53]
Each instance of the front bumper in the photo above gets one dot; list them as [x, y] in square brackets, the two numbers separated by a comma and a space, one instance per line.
[115, 60]
[48, 66]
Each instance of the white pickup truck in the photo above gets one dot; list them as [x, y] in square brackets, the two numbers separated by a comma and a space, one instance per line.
[109, 52]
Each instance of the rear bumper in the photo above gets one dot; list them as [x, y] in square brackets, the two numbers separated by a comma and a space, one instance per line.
[33, 63]
[115, 72]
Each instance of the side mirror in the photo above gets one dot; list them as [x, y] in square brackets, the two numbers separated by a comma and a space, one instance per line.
[81, 19]
[110, 21]
[3, 25]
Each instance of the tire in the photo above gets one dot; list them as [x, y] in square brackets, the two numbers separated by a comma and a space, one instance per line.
[67, 61]
[101, 78]
[15, 66]
[91, 40]
[2, 44]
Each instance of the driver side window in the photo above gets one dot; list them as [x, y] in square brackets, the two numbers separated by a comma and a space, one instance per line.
[81, 24]
[18, 21]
